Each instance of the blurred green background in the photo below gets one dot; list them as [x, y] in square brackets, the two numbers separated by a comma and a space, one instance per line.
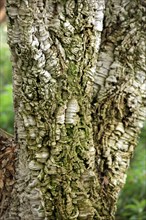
[6, 100]
[132, 200]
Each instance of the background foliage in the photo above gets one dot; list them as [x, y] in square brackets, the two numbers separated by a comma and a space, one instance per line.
[132, 200]
[6, 106]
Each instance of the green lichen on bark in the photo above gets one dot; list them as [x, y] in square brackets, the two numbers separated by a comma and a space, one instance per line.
[78, 104]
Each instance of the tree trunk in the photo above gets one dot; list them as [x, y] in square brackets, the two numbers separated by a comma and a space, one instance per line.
[2, 11]
[79, 84]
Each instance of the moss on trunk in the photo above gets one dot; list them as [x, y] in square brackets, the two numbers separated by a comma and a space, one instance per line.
[79, 104]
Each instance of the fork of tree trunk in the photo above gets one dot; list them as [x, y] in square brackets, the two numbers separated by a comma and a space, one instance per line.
[79, 100]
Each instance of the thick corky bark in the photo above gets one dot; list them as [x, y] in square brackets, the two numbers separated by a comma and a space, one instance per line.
[79, 103]
[7, 172]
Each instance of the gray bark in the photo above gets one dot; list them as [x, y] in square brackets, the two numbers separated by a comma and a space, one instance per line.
[79, 99]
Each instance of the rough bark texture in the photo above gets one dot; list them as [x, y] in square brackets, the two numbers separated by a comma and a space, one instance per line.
[7, 169]
[79, 104]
